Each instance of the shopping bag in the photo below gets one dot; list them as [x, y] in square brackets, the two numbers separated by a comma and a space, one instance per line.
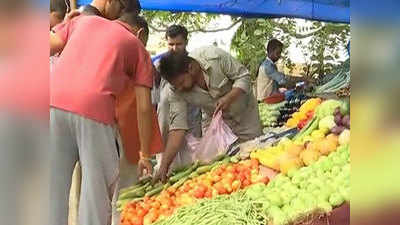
[216, 140]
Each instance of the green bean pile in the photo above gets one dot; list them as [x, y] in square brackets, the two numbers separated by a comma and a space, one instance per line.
[235, 209]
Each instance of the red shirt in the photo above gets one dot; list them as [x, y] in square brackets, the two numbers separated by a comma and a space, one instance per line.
[99, 59]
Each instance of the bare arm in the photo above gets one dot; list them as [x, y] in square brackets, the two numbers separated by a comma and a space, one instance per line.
[174, 143]
[56, 44]
[144, 117]
[240, 76]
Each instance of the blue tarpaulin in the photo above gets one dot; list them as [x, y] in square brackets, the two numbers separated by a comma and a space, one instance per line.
[322, 10]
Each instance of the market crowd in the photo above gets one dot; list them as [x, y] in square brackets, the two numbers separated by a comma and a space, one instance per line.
[113, 109]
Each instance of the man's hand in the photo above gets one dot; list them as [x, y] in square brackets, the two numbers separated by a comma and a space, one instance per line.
[226, 101]
[174, 143]
[161, 173]
[144, 167]
[223, 103]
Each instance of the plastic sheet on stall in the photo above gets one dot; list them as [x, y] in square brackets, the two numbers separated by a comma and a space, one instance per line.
[243, 150]
[322, 10]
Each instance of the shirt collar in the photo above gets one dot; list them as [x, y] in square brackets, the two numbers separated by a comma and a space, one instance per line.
[125, 25]
[270, 60]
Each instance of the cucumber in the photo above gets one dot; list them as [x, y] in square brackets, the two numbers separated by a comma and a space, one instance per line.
[124, 190]
[154, 191]
[138, 192]
[167, 185]
[122, 203]
[180, 182]
[193, 174]
[181, 169]
[234, 159]
[149, 188]
[204, 169]
[144, 180]
[219, 158]
[186, 173]
[222, 162]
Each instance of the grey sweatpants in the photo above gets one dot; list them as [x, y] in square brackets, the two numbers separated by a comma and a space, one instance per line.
[74, 138]
[127, 177]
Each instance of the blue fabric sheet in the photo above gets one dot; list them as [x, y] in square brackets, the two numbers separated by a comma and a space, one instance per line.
[322, 10]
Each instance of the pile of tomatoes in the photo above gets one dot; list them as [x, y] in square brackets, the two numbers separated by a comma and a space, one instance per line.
[224, 179]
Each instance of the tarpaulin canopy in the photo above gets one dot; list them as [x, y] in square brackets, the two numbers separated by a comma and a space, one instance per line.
[322, 10]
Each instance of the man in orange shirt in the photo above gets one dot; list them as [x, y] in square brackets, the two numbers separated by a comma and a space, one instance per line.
[126, 115]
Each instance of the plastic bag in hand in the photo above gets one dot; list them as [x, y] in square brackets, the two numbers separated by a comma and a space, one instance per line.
[216, 140]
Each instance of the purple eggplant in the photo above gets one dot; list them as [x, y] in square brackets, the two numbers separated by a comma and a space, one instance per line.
[337, 111]
[338, 119]
[346, 121]
[337, 130]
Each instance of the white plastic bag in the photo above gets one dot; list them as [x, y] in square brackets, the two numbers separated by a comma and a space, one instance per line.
[215, 141]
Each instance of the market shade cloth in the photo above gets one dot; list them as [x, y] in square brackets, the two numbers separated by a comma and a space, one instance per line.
[322, 10]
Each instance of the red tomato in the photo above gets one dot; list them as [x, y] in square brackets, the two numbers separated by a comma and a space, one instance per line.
[228, 187]
[254, 164]
[246, 183]
[171, 190]
[230, 169]
[247, 164]
[186, 188]
[264, 180]
[155, 205]
[220, 188]
[199, 194]
[214, 192]
[218, 172]
[230, 176]
[140, 212]
[164, 207]
[310, 114]
[223, 168]
[216, 178]
[208, 193]
[192, 184]
[242, 177]
[236, 185]
[136, 221]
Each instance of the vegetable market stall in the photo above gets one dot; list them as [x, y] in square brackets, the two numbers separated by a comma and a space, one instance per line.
[287, 180]
[296, 178]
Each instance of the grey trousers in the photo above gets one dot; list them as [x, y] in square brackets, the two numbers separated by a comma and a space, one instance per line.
[74, 138]
[127, 177]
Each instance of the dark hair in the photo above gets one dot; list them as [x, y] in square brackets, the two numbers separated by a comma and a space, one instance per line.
[132, 6]
[173, 64]
[274, 44]
[59, 6]
[134, 20]
[176, 30]
[90, 10]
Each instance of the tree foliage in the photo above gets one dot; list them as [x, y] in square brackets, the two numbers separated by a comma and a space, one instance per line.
[321, 52]
[194, 22]
[249, 42]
